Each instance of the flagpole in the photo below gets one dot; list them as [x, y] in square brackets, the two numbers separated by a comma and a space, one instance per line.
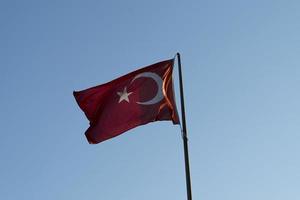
[184, 133]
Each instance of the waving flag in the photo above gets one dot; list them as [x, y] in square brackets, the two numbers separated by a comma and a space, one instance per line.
[143, 96]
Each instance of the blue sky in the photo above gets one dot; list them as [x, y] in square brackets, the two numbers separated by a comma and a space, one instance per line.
[242, 81]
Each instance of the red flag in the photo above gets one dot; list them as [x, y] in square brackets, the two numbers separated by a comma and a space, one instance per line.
[143, 96]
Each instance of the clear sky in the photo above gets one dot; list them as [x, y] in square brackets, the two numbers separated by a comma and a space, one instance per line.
[241, 72]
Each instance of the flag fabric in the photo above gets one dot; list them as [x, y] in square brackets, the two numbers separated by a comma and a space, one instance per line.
[143, 96]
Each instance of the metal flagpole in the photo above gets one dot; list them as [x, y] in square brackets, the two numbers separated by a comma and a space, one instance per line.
[184, 134]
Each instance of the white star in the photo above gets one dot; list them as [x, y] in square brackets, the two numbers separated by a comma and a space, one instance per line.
[124, 95]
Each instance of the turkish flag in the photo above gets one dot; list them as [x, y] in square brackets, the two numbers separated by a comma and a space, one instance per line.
[143, 96]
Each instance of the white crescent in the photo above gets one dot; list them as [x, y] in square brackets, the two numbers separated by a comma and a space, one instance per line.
[159, 95]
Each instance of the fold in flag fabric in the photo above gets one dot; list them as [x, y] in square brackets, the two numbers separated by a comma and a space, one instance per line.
[143, 96]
